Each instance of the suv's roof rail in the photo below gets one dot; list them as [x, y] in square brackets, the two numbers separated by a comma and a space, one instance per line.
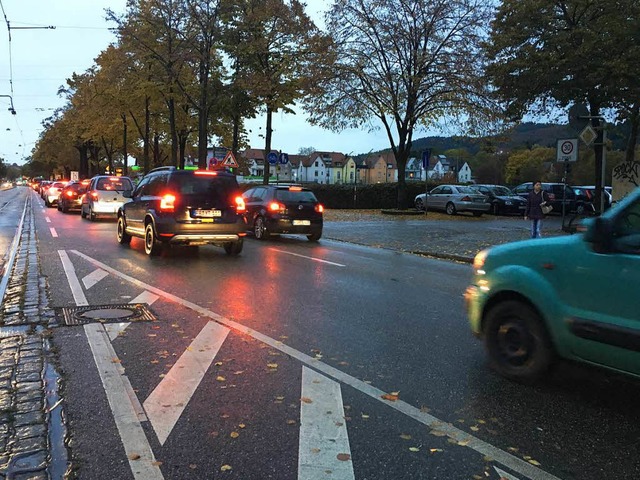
[160, 169]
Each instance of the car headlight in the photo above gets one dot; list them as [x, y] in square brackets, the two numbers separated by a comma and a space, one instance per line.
[479, 260]
[508, 202]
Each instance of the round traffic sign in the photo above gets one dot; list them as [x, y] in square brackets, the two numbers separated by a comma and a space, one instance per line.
[272, 158]
[566, 147]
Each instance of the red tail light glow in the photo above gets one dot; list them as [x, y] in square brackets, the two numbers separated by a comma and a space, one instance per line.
[205, 172]
[167, 202]
[276, 207]
[319, 208]
[70, 193]
[240, 205]
[295, 189]
[94, 195]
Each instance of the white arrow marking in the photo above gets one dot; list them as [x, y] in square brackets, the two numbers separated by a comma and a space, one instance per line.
[93, 278]
[169, 399]
[323, 430]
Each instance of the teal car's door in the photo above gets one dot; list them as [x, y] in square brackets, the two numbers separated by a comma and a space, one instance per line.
[602, 296]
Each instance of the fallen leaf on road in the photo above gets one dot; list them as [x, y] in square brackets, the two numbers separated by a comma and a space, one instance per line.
[315, 450]
[438, 433]
[156, 463]
[343, 457]
[242, 425]
[414, 449]
[116, 360]
[390, 397]
[225, 468]
[217, 364]
[365, 416]
[464, 443]
[152, 335]
[534, 462]
[435, 450]
[134, 456]
[424, 409]
[272, 365]
[193, 466]
[306, 400]
[405, 436]
[155, 361]
[291, 422]
[475, 428]
[220, 378]
[239, 372]
[234, 435]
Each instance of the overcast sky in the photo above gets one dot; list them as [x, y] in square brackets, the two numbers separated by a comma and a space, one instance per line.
[42, 59]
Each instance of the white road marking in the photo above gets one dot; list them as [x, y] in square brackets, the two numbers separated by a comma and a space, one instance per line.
[54, 234]
[309, 258]
[72, 278]
[133, 438]
[47, 219]
[512, 462]
[505, 475]
[323, 430]
[93, 278]
[115, 329]
[169, 399]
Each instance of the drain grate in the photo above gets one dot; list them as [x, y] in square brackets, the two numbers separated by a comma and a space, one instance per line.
[129, 312]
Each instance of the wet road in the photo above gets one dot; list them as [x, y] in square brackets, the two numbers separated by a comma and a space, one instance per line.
[301, 360]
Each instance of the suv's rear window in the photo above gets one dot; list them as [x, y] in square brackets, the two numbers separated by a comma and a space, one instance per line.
[300, 196]
[214, 187]
[114, 183]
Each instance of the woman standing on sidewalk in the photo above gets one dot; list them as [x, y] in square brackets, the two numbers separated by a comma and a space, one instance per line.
[537, 197]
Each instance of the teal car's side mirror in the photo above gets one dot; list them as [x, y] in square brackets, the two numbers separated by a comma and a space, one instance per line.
[600, 234]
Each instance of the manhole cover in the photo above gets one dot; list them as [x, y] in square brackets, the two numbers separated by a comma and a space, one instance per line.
[134, 312]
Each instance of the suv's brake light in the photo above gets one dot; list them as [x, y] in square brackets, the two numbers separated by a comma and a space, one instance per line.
[276, 207]
[319, 208]
[70, 193]
[205, 172]
[167, 202]
[240, 205]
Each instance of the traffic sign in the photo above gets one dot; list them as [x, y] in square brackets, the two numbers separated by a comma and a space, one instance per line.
[426, 156]
[284, 158]
[567, 150]
[272, 158]
[230, 160]
[588, 135]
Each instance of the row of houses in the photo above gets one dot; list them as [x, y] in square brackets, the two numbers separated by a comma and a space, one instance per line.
[337, 168]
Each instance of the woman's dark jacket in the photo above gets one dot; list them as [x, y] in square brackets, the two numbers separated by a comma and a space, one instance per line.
[533, 210]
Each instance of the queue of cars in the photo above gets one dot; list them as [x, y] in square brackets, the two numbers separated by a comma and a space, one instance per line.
[500, 200]
[170, 206]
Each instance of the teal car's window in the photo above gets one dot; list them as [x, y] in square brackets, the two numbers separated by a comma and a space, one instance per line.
[628, 223]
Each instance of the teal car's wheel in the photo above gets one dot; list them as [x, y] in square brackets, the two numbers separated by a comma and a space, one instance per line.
[517, 341]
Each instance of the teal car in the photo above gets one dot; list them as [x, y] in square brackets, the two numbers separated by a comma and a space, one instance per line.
[575, 297]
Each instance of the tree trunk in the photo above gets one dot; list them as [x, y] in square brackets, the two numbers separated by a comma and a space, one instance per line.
[125, 154]
[173, 130]
[147, 134]
[203, 115]
[184, 135]
[267, 145]
[634, 118]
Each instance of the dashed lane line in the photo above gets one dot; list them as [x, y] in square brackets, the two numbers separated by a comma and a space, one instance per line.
[54, 234]
[308, 258]
[324, 441]
[484, 448]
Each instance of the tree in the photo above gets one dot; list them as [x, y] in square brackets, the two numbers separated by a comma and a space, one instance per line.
[529, 165]
[306, 151]
[404, 64]
[278, 53]
[545, 54]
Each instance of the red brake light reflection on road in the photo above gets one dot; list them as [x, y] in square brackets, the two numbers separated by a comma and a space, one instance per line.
[167, 202]
[319, 208]
[275, 206]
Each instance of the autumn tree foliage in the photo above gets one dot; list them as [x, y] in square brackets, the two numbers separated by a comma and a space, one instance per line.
[401, 65]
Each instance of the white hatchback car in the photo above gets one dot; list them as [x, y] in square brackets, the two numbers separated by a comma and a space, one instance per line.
[104, 196]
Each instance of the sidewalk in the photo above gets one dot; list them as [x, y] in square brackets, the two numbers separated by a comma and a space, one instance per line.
[437, 235]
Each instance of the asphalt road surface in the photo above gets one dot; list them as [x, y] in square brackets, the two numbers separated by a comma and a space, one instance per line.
[305, 360]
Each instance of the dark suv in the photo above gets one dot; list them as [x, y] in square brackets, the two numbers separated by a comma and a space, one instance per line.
[184, 207]
[276, 209]
[554, 191]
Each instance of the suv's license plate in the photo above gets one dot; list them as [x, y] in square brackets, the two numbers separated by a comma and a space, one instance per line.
[301, 222]
[208, 213]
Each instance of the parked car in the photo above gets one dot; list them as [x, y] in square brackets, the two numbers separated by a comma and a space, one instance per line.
[571, 296]
[282, 209]
[503, 201]
[52, 192]
[71, 196]
[585, 196]
[104, 196]
[453, 199]
[184, 207]
[555, 193]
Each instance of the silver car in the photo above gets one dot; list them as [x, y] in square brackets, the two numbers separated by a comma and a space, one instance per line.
[104, 196]
[453, 199]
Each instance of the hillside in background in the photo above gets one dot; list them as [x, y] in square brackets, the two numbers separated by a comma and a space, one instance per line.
[525, 135]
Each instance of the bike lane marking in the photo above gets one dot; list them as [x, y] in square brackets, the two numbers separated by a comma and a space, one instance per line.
[514, 463]
[125, 408]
